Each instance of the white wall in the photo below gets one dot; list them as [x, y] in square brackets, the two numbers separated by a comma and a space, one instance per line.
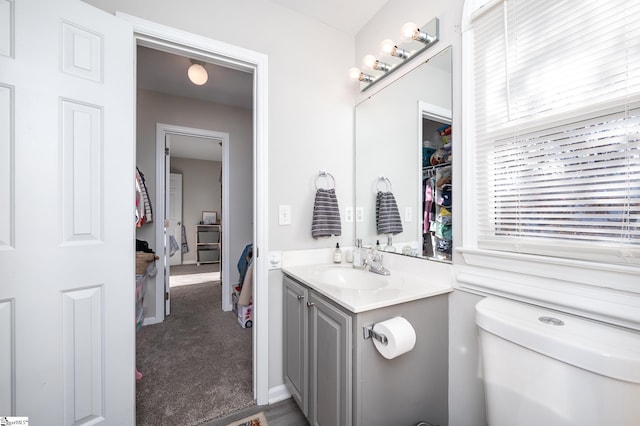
[201, 191]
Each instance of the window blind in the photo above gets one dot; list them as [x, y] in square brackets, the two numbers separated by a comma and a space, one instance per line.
[557, 127]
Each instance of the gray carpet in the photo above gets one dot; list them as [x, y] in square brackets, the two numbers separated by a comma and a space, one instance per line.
[196, 365]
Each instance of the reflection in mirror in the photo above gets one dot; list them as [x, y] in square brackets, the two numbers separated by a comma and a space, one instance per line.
[402, 148]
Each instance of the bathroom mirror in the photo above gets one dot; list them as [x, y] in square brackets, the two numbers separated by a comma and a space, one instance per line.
[391, 129]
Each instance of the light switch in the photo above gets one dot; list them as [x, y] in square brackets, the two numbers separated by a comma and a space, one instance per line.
[408, 214]
[284, 214]
[348, 214]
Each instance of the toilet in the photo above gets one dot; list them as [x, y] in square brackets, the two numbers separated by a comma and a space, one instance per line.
[543, 367]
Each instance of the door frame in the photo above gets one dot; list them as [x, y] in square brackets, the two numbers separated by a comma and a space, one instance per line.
[161, 37]
[162, 175]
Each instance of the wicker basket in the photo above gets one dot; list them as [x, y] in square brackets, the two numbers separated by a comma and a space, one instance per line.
[142, 261]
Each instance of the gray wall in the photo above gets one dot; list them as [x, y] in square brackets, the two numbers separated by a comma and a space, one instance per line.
[201, 191]
[153, 108]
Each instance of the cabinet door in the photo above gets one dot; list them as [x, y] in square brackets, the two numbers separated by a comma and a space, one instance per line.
[295, 342]
[330, 397]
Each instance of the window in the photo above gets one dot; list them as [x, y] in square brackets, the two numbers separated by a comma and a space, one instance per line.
[556, 128]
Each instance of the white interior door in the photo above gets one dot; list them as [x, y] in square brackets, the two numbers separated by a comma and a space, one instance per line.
[174, 215]
[67, 324]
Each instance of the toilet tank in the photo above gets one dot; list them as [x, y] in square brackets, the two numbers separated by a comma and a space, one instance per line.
[543, 367]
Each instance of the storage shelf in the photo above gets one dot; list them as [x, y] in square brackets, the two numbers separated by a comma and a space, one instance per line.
[208, 247]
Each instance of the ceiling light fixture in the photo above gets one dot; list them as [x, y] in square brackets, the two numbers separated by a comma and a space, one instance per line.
[197, 73]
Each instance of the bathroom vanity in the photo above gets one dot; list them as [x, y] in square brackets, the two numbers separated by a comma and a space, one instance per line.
[336, 375]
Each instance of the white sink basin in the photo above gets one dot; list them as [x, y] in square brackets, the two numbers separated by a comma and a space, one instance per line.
[354, 279]
[359, 290]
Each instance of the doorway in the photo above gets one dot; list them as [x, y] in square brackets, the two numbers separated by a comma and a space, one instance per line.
[168, 39]
[195, 146]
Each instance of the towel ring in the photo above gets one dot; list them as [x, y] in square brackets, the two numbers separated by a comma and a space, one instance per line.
[325, 174]
[384, 180]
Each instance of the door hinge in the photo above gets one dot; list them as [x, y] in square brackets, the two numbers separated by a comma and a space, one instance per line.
[257, 251]
[166, 151]
[166, 295]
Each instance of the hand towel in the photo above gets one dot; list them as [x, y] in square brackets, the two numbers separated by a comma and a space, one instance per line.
[173, 245]
[326, 214]
[387, 214]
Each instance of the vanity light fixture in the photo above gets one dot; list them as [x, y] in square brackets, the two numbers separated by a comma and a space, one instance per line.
[411, 31]
[371, 62]
[356, 74]
[197, 73]
[389, 47]
[415, 41]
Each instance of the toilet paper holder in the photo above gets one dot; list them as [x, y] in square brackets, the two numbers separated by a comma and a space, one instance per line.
[369, 332]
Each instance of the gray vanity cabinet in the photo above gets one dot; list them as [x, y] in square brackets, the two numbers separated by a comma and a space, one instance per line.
[337, 376]
[317, 355]
[296, 355]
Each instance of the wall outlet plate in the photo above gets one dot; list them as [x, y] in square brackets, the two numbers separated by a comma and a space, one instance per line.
[284, 214]
[348, 214]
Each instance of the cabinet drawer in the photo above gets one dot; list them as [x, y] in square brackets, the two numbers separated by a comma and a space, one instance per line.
[209, 236]
[208, 255]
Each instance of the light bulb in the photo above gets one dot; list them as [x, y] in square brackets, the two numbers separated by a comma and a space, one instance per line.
[387, 46]
[197, 74]
[369, 61]
[354, 73]
[408, 31]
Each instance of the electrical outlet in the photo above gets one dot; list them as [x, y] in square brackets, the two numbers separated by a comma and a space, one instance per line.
[348, 214]
[359, 214]
[284, 214]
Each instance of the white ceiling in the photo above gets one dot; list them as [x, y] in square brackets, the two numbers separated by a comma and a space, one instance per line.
[348, 16]
[167, 72]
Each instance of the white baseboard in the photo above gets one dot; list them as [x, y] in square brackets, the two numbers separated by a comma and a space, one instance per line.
[278, 393]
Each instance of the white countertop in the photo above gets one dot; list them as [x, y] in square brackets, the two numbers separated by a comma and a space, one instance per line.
[367, 290]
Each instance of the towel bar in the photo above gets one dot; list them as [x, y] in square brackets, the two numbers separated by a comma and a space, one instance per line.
[385, 180]
[325, 174]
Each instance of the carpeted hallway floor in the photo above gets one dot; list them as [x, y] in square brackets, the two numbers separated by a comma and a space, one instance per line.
[196, 365]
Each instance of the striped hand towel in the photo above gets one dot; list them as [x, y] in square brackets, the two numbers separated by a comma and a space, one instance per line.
[387, 214]
[326, 214]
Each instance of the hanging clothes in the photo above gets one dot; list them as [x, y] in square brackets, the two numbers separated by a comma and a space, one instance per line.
[144, 213]
[185, 244]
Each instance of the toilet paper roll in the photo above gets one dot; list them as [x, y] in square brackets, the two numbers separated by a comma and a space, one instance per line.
[401, 337]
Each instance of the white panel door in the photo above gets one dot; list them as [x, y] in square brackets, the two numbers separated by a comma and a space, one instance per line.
[67, 231]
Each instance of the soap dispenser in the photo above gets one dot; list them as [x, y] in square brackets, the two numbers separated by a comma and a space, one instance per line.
[389, 247]
[358, 259]
[337, 254]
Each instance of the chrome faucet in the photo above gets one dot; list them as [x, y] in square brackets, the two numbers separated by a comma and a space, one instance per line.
[373, 262]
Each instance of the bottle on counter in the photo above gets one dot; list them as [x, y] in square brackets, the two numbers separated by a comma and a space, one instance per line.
[358, 257]
[337, 254]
